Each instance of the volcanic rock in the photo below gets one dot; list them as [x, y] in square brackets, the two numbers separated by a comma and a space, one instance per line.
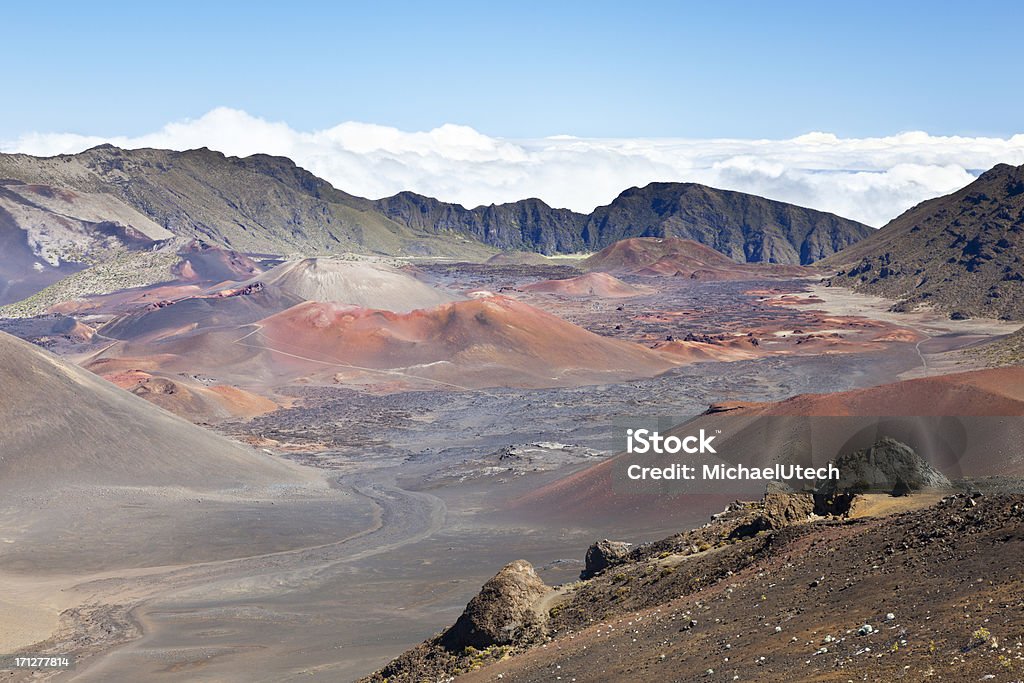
[604, 554]
[592, 284]
[502, 613]
[783, 506]
[677, 257]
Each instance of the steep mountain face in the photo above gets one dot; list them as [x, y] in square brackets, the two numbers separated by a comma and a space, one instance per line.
[256, 204]
[744, 227]
[960, 253]
[528, 224]
[47, 233]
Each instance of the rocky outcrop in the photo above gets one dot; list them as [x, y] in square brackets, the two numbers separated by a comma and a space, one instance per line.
[501, 618]
[502, 613]
[604, 554]
[783, 506]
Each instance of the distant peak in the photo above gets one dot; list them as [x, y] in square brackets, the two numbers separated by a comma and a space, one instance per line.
[1001, 171]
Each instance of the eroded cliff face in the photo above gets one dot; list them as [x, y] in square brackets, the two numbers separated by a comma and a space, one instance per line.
[745, 227]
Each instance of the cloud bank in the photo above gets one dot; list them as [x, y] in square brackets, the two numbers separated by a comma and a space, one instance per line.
[867, 179]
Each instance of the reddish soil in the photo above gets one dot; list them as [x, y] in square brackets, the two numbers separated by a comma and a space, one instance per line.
[482, 342]
[598, 491]
[185, 398]
[592, 284]
[677, 257]
[213, 264]
[999, 391]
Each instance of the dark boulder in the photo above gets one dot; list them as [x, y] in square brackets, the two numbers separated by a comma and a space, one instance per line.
[602, 555]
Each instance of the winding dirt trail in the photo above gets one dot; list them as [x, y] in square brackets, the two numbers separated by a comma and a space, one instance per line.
[123, 600]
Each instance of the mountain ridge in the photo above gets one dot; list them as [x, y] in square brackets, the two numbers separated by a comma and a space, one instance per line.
[269, 204]
[745, 227]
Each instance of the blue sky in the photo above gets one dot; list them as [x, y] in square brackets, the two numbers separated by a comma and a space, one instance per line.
[863, 109]
[655, 69]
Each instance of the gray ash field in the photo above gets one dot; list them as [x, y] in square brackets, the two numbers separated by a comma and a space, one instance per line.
[347, 426]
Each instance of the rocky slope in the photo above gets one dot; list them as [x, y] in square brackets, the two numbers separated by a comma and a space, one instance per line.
[528, 224]
[745, 227]
[1006, 351]
[960, 253]
[761, 594]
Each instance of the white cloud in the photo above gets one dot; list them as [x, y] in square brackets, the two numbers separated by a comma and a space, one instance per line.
[869, 179]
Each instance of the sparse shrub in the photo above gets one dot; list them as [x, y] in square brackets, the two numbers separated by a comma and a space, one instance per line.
[980, 636]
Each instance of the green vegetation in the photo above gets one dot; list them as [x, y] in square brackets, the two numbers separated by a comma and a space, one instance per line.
[1006, 351]
[980, 636]
[123, 270]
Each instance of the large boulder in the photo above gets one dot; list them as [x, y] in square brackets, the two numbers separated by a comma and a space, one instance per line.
[888, 466]
[502, 613]
[602, 555]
